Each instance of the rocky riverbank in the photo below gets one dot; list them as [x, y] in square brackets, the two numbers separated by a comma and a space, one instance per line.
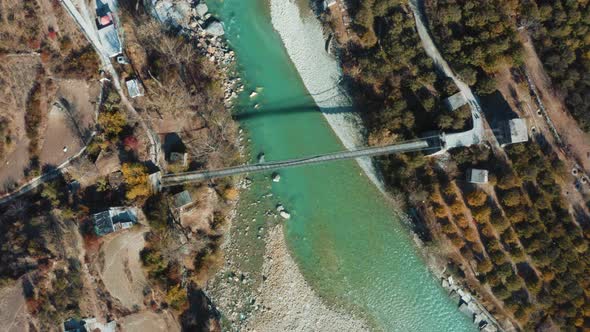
[304, 41]
[194, 19]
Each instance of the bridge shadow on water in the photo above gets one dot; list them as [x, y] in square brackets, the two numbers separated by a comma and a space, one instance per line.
[295, 109]
[305, 103]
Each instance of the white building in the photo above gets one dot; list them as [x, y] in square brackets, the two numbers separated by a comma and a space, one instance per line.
[478, 176]
[134, 88]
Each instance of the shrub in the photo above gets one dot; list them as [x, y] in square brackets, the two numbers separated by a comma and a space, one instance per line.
[136, 179]
[477, 198]
[112, 122]
[512, 198]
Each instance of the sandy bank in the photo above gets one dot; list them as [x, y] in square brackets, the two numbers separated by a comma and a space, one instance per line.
[303, 38]
[292, 304]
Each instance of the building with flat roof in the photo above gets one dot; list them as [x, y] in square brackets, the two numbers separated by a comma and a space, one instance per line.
[134, 88]
[107, 31]
[455, 101]
[478, 176]
[110, 40]
[114, 219]
[512, 131]
[182, 200]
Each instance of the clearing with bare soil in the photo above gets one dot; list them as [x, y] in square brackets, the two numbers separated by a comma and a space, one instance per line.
[70, 123]
[41, 50]
[17, 77]
[13, 310]
[122, 272]
[198, 217]
[149, 321]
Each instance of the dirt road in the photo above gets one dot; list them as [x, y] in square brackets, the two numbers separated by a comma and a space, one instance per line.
[574, 139]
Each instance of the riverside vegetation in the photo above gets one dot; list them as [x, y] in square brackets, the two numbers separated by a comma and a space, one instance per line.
[518, 243]
[40, 230]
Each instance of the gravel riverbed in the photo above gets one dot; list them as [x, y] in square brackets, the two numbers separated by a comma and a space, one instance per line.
[291, 303]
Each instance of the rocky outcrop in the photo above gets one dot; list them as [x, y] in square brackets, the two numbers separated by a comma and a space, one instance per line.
[196, 21]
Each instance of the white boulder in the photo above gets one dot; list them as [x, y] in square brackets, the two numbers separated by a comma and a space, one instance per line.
[215, 29]
[276, 177]
[202, 9]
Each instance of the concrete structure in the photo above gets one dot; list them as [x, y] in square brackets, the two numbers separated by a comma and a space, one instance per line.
[464, 308]
[478, 176]
[155, 180]
[114, 219]
[514, 131]
[134, 88]
[182, 201]
[174, 149]
[179, 158]
[455, 101]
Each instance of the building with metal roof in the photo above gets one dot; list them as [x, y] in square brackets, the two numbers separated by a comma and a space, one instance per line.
[455, 101]
[513, 131]
[182, 200]
[107, 31]
[114, 219]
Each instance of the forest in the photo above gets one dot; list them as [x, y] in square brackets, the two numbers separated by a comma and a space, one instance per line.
[477, 38]
[516, 237]
[394, 82]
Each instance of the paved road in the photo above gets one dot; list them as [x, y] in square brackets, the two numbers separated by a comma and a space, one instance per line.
[88, 27]
[417, 145]
[469, 137]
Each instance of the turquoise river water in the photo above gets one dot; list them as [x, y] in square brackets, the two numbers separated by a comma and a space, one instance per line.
[344, 235]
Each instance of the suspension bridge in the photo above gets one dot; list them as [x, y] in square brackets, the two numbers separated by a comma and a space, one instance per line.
[431, 143]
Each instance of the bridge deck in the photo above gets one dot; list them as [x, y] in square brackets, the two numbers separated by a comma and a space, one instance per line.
[177, 179]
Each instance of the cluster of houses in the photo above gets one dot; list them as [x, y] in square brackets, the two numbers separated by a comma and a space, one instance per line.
[109, 39]
[469, 306]
[507, 131]
[117, 218]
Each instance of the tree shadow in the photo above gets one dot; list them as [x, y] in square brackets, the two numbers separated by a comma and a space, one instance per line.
[200, 313]
[496, 109]
[173, 143]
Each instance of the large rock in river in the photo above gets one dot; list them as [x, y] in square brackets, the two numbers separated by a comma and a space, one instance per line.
[202, 9]
[215, 28]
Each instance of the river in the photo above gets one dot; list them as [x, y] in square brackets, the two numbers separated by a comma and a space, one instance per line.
[346, 238]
